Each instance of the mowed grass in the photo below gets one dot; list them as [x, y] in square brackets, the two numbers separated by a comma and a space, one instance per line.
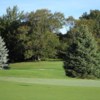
[44, 69]
[44, 81]
[23, 91]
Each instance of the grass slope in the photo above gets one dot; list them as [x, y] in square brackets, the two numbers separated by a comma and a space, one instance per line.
[45, 69]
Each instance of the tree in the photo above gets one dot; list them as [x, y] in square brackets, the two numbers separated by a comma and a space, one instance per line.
[92, 20]
[82, 58]
[24, 45]
[3, 54]
[63, 44]
[70, 22]
[31, 35]
[43, 24]
[46, 20]
[8, 30]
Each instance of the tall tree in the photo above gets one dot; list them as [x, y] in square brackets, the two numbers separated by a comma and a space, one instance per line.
[8, 30]
[3, 54]
[82, 58]
[43, 25]
[92, 20]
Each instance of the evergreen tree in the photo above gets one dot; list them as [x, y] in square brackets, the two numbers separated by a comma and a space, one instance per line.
[3, 54]
[82, 57]
[92, 20]
[9, 23]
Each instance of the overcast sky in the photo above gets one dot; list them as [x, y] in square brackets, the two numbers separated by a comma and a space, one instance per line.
[73, 8]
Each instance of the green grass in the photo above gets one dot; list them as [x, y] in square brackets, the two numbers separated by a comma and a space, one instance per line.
[38, 65]
[43, 69]
[44, 81]
[23, 91]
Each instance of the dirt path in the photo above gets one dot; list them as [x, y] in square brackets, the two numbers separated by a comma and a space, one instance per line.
[60, 82]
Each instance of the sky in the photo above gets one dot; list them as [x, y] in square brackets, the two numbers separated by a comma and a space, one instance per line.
[73, 8]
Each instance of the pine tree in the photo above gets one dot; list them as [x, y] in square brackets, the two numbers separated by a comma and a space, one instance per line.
[82, 57]
[3, 54]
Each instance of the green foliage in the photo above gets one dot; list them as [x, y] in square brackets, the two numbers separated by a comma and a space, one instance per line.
[8, 30]
[93, 22]
[43, 24]
[32, 36]
[3, 54]
[82, 54]
[61, 49]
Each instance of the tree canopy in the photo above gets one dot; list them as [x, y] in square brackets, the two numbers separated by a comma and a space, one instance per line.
[31, 36]
[36, 35]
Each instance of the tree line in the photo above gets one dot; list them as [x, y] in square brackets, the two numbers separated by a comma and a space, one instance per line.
[31, 36]
[35, 36]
